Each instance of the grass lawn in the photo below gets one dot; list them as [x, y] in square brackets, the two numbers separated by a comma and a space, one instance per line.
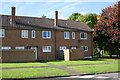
[32, 64]
[96, 68]
[36, 72]
[83, 62]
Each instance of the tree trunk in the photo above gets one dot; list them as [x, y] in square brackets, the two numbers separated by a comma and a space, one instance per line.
[110, 55]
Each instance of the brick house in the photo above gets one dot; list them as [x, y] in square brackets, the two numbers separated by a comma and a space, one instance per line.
[46, 36]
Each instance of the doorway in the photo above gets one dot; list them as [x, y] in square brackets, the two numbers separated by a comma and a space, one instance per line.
[35, 50]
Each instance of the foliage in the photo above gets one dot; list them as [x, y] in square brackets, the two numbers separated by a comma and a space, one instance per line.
[74, 16]
[89, 19]
[107, 29]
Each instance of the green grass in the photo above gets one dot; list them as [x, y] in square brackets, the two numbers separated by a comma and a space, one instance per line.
[36, 72]
[83, 62]
[96, 68]
[33, 64]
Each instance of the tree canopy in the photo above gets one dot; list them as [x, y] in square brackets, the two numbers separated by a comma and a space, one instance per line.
[108, 28]
[89, 19]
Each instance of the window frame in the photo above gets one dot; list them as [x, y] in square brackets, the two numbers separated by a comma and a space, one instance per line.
[73, 35]
[33, 33]
[2, 35]
[19, 47]
[25, 33]
[48, 35]
[47, 49]
[61, 47]
[83, 36]
[86, 47]
[66, 35]
[5, 48]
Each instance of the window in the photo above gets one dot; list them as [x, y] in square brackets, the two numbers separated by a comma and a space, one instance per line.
[5, 48]
[19, 48]
[85, 48]
[66, 35]
[83, 35]
[46, 48]
[24, 34]
[73, 47]
[2, 33]
[33, 34]
[46, 34]
[73, 35]
[62, 47]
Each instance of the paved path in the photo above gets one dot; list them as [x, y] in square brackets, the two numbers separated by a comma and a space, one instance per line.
[71, 71]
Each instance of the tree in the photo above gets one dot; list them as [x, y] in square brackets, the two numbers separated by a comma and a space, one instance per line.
[74, 16]
[89, 19]
[108, 26]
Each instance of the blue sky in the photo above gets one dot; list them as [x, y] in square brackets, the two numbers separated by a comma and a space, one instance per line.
[65, 9]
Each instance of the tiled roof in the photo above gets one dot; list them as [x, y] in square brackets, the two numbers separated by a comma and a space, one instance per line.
[43, 23]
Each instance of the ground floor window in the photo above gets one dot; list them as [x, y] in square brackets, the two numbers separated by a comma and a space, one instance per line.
[5, 48]
[19, 48]
[46, 49]
[74, 47]
[84, 48]
[62, 47]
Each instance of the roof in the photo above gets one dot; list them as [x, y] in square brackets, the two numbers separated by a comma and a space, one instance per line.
[43, 23]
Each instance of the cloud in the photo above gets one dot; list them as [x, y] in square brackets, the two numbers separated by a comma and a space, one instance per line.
[83, 13]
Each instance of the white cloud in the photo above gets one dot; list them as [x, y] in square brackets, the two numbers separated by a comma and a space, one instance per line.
[83, 13]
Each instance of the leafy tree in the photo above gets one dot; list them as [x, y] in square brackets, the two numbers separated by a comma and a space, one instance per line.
[89, 19]
[108, 28]
[74, 16]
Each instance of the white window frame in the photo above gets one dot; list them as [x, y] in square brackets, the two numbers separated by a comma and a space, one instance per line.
[73, 47]
[24, 33]
[33, 34]
[46, 48]
[86, 48]
[62, 47]
[2, 34]
[84, 34]
[66, 35]
[73, 35]
[5, 48]
[20, 48]
[48, 36]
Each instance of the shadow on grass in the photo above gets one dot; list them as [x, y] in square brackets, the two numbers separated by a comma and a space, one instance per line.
[86, 59]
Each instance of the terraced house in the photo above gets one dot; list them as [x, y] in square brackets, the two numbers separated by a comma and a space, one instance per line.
[46, 37]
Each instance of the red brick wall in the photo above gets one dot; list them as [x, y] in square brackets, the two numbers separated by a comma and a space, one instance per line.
[18, 56]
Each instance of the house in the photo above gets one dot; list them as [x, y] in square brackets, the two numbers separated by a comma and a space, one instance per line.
[45, 36]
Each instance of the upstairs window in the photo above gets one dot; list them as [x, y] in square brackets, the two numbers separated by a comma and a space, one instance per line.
[19, 48]
[5, 48]
[2, 33]
[73, 35]
[66, 35]
[84, 48]
[46, 48]
[24, 33]
[46, 34]
[33, 34]
[83, 35]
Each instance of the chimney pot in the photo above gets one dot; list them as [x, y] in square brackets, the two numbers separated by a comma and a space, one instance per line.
[56, 19]
[13, 15]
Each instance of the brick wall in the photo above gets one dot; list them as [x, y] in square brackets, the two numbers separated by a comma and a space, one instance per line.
[73, 54]
[17, 56]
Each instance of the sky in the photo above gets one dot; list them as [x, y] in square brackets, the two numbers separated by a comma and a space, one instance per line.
[47, 8]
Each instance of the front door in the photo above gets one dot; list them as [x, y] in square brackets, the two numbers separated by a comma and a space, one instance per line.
[35, 50]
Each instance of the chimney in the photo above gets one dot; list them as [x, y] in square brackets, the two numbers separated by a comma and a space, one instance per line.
[56, 19]
[13, 15]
